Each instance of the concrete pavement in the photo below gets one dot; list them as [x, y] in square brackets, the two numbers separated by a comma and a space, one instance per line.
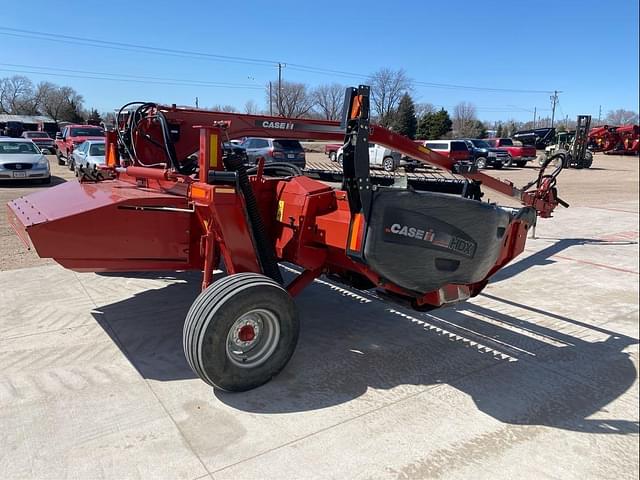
[535, 378]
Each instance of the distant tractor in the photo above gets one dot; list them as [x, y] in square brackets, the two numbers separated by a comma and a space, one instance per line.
[573, 144]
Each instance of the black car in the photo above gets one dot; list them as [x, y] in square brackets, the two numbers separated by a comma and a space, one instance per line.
[486, 156]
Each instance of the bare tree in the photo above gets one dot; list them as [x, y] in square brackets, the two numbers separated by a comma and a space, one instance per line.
[251, 107]
[60, 103]
[621, 117]
[329, 100]
[16, 94]
[296, 100]
[465, 121]
[387, 88]
[223, 108]
[423, 109]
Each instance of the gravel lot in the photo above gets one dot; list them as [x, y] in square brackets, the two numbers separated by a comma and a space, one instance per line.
[611, 177]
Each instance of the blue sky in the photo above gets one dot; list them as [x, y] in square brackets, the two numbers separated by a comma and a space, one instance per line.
[586, 49]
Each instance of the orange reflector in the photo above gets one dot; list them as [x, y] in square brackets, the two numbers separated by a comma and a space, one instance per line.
[200, 193]
[355, 107]
[357, 230]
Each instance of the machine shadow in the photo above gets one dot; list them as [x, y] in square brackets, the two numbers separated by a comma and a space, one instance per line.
[350, 345]
[543, 257]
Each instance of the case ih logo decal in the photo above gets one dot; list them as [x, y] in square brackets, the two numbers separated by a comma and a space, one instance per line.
[425, 231]
[278, 125]
[437, 239]
[299, 127]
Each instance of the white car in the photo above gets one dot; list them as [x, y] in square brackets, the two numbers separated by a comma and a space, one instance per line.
[87, 155]
[379, 156]
[21, 159]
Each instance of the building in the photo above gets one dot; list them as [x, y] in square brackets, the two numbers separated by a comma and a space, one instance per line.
[14, 125]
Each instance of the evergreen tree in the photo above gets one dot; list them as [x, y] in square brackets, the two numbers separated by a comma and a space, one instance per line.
[481, 129]
[405, 121]
[499, 131]
[94, 117]
[433, 126]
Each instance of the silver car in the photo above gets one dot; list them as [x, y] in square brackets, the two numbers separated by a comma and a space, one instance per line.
[88, 154]
[274, 150]
[21, 159]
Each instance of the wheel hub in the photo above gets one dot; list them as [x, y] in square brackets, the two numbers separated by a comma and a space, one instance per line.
[253, 338]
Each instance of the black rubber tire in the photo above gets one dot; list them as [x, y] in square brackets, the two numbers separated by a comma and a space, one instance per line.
[498, 166]
[521, 164]
[59, 157]
[340, 160]
[71, 165]
[388, 164]
[211, 317]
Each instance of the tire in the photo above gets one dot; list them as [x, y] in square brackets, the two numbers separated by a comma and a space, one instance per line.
[521, 164]
[498, 165]
[588, 159]
[340, 159]
[59, 157]
[388, 164]
[241, 304]
[509, 162]
[481, 162]
[71, 164]
[332, 156]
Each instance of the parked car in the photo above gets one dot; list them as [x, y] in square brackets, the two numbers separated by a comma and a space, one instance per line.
[87, 154]
[520, 154]
[13, 129]
[42, 140]
[21, 159]
[331, 151]
[72, 136]
[274, 150]
[454, 149]
[485, 156]
[382, 157]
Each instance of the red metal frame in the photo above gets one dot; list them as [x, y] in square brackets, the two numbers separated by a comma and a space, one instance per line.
[147, 218]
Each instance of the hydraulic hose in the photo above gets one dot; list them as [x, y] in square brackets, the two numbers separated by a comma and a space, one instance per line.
[264, 248]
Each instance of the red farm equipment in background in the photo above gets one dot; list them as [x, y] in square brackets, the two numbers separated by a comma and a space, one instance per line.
[173, 197]
[623, 140]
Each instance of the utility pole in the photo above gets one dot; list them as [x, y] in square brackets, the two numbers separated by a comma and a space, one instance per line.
[280, 65]
[554, 101]
[534, 116]
[270, 100]
[196, 102]
[599, 113]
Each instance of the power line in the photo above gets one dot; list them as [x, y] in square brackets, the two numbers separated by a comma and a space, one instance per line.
[14, 32]
[53, 71]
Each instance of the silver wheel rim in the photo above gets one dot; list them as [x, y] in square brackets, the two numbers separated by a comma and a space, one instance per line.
[387, 164]
[264, 329]
[482, 164]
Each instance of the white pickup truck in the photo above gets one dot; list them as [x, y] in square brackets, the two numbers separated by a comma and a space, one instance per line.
[381, 157]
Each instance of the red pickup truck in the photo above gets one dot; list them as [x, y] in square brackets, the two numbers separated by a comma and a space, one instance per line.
[331, 150]
[73, 135]
[520, 154]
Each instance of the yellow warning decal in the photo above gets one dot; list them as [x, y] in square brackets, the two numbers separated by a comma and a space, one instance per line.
[424, 149]
[213, 150]
[280, 210]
